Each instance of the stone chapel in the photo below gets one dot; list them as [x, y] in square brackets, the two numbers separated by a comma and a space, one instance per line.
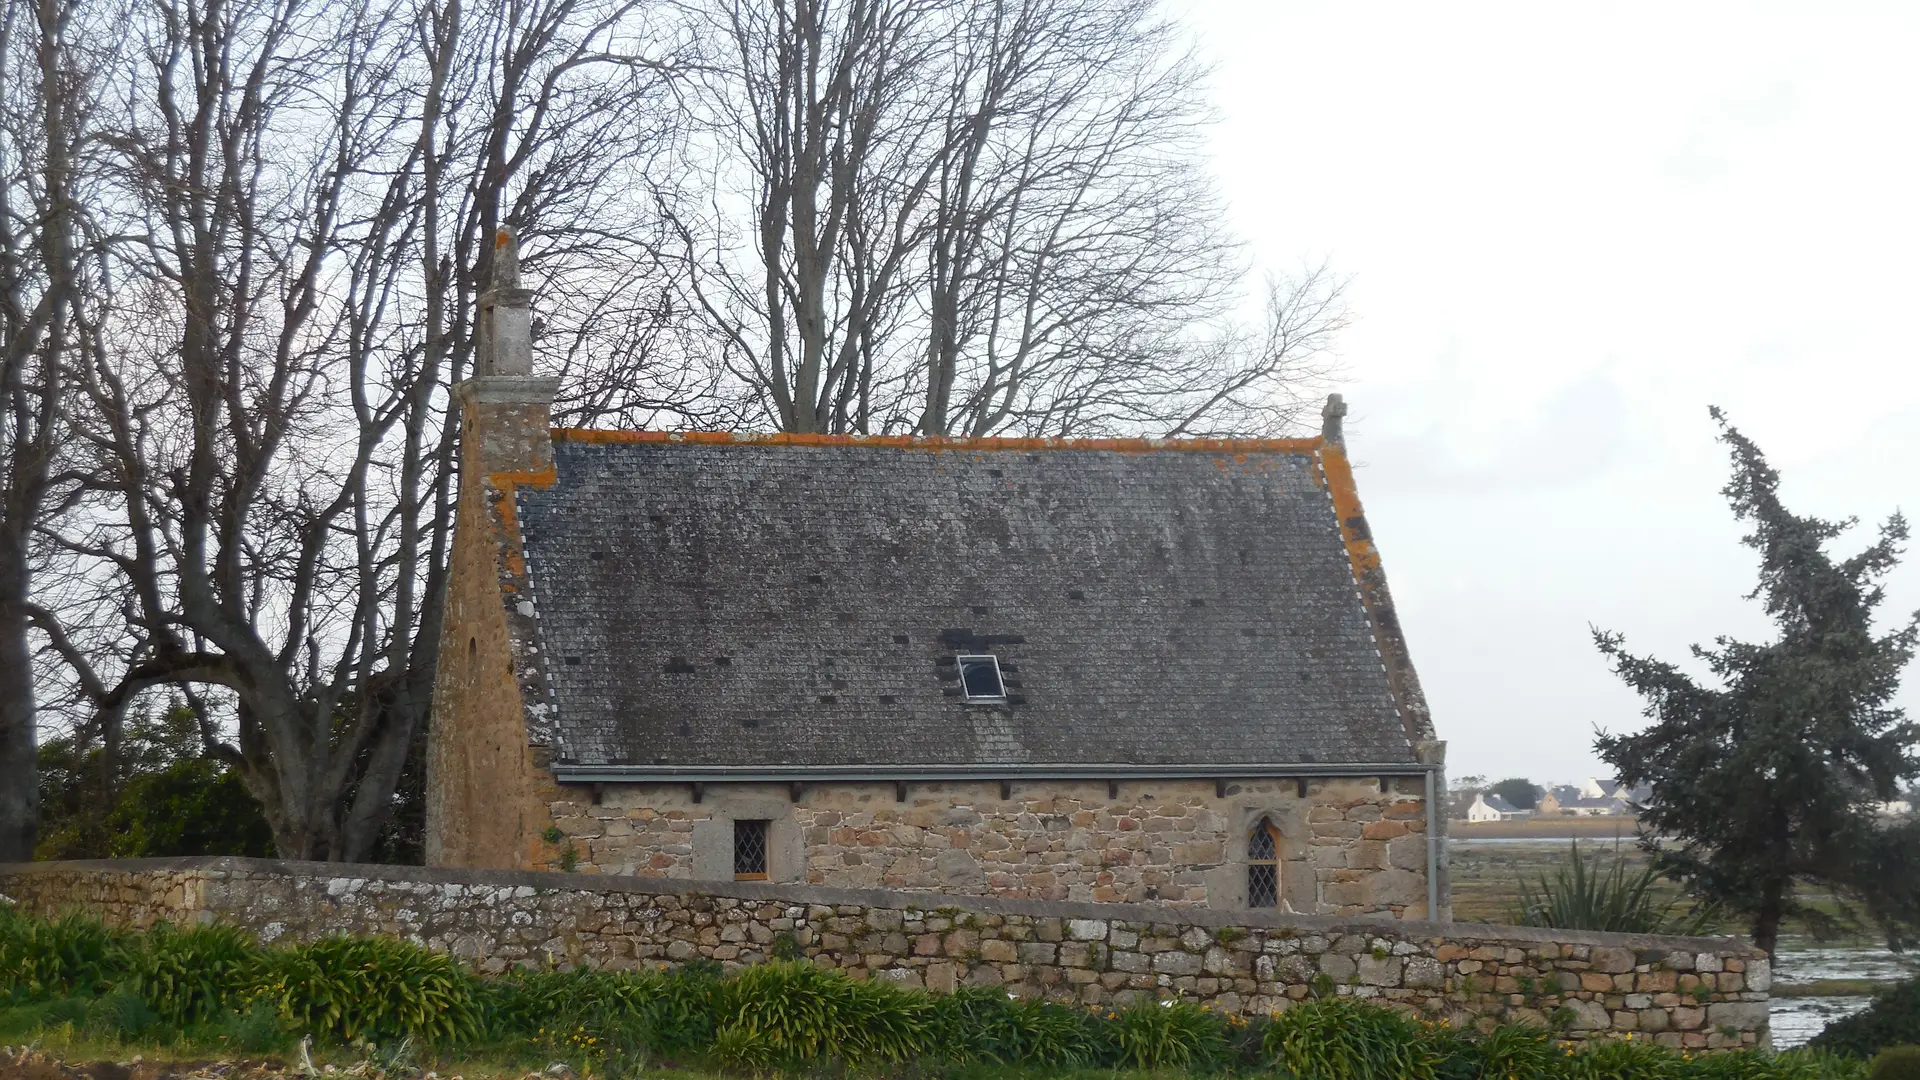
[1127, 670]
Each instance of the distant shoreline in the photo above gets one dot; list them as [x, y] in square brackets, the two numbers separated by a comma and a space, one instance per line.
[1552, 828]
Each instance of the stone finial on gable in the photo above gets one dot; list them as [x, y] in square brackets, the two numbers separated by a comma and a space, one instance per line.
[506, 314]
[1331, 417]
[505, 409]
[505, 273]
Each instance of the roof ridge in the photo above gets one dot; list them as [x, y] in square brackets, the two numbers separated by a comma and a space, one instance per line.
[943, 442]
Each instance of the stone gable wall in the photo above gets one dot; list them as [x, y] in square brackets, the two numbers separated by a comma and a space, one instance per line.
[1691, 992]
[485, 792]
[1348, 847]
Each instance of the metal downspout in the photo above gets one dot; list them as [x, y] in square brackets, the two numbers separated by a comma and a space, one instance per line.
[1433, 856]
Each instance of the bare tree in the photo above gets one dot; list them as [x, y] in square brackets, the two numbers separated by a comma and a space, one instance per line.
[1074, 243]
[970, 216]
[817, 145]
[1261, 381]
[313, 185]
[45, 116]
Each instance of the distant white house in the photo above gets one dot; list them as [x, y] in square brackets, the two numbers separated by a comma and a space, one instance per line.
[1595, 798]
[1494, 808]
[1569, 801]
[1596, 788]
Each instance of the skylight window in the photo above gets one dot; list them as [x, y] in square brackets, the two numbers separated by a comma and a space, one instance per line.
[980, 679]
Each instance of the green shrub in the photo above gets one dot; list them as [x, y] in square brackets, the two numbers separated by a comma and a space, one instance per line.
[159, 797]
[1246, 1039]
[122, 1015]
[1621, 1059]
[1599, 895]
[794, 1012]
[985, 1024]
[74, 954]
[740, 1049]
[1892, 1020]
[1339, 1038]
[1457, 1054]
[20, 1023]
[1168, 1035]
[189, 976]
[1806, 1064]
[1799, 1064]
[1896, 1063]
[377, 988]
[195, 806]
[611, 1021]
[1510, 1052]
[256, 1030]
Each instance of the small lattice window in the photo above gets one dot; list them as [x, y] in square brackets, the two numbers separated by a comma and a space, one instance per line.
[750, 850]
[980, 678]
[1263, 866]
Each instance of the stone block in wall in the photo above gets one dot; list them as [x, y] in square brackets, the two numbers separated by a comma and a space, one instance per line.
[1395, 887]
[1586, 1015]
[1612, 961]
[1178, 962]
[1338, 967]
[1742, 1015]
[1378, 971]
[1424, 973]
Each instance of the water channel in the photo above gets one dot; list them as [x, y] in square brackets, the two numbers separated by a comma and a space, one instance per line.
[1800, 962]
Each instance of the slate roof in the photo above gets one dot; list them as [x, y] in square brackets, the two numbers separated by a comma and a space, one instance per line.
[759, 603]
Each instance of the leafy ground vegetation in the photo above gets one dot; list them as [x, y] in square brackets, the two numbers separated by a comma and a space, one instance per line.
[1892, 1020]
[399, 1007]
[1589, 893]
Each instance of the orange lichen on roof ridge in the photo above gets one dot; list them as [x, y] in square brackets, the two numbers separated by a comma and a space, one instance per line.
[1348, 512]
[944, 443]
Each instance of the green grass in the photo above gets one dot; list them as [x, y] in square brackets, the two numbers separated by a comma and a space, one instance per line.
[1486, 877]
[1833, 988]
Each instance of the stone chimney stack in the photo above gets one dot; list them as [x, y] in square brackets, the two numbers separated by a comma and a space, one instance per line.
[504, 410]
[1332, 417]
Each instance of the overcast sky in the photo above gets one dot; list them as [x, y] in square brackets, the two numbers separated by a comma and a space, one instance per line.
[1571, 229]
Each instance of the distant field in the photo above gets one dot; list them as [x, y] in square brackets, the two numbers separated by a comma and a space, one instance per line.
[1487, 871]
[1546, 828]
[1491, 858]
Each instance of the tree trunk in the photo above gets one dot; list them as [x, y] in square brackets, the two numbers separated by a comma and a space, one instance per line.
[19, 773]
[1766, 920]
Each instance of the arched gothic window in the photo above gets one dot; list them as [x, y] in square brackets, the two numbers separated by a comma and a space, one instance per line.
[1263, 865]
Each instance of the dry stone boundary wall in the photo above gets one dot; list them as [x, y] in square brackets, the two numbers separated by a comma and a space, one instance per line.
[1691, 992]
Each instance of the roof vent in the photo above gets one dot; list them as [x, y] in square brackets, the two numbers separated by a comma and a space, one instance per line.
[980, 679]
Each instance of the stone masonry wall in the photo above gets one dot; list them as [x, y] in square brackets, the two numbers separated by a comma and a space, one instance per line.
[1691, 992]
[1347, 847]
[486, 805]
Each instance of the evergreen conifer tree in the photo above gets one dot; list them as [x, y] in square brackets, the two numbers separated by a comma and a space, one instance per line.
[1774, 776]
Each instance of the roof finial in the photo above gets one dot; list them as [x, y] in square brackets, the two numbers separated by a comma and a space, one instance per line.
[506, 259]
[505, 327]
[1330, 417]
